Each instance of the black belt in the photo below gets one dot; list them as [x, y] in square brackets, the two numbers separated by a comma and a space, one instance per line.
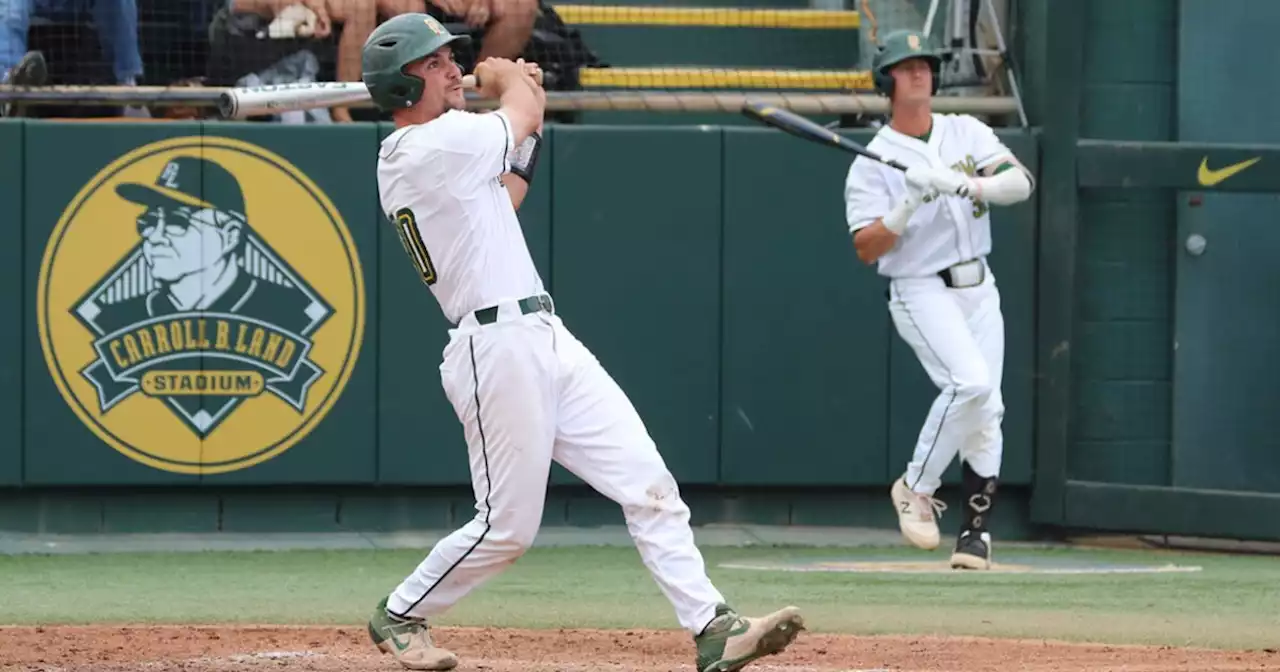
[529, 304]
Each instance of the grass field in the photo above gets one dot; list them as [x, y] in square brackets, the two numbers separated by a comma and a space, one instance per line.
[1230, 603]
[589, 608]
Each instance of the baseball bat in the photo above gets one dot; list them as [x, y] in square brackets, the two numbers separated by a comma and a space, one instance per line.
[252, 101]
[798, 126]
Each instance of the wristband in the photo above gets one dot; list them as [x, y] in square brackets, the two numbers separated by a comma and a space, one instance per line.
[524, 159]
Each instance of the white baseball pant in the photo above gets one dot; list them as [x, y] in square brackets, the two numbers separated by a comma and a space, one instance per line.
[958, 336]
[528, 392]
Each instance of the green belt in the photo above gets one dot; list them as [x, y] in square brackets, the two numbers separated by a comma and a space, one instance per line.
[529, 304]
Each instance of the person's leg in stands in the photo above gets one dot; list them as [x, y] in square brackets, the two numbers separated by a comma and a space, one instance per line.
[15, 18]
[390, 8]
[117, 24]
[507, 24]
[509, 28]
[358, 18]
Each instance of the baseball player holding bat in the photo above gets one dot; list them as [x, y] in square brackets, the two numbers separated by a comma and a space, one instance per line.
[525, 389]
[928, 230]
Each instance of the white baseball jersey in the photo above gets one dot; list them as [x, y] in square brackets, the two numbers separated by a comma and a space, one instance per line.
[945, 231]
[440, 182]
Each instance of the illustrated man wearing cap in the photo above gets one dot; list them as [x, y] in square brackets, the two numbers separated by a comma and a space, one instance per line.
[194, 233]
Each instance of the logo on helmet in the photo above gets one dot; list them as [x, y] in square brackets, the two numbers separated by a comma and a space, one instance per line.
[434, 25]
[914, 42]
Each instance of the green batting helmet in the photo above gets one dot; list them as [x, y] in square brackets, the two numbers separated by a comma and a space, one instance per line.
[396, 43]
[900, 46]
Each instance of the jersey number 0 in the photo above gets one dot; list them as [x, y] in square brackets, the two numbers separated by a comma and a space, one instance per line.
[411, 238]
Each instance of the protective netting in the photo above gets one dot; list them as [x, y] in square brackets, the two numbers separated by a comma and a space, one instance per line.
[801, 47]
[881, 17]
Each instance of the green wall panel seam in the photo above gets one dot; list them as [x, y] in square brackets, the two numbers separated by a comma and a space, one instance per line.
[22, 302]
[550, 168]
[376, 340]
[891, 333]
[720, 293]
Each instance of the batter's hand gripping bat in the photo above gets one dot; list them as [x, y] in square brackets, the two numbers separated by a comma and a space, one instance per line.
[803, 128]
[252, 101]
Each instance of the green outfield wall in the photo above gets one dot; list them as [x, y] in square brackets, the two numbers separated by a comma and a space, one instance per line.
[710, 270]
[714, 282]
[1155, 318]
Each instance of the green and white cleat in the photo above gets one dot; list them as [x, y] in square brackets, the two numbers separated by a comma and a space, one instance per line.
[730, 641]
[409, 640]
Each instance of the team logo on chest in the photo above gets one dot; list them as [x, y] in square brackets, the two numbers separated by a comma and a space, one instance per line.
[182, 315]
[969, 166]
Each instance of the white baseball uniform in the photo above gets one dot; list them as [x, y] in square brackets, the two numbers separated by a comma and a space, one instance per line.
[525, 389]
[954, 323]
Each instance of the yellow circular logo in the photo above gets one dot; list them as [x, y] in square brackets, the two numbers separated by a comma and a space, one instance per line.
[201, 305]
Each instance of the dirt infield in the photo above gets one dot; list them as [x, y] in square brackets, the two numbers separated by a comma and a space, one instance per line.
[327, 649]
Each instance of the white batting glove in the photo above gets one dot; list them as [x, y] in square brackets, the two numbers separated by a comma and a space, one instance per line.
[897, 219]
[921, 178]
[952, 182]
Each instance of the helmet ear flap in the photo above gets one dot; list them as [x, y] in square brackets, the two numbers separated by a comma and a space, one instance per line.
[408, 88]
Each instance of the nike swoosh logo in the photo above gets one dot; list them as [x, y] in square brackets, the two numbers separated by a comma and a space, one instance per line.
[1209, 177]
[395, 638]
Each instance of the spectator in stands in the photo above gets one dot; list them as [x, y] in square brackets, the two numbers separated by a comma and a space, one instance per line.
[115, 21]
[357, 18]
[507, 24]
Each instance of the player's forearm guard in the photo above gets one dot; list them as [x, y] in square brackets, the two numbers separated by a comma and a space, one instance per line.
[525, 157]
[1006, 188]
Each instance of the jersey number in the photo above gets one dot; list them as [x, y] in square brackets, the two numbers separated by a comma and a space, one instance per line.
[411, 238]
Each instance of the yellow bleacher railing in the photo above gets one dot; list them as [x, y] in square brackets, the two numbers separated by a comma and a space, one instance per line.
[723, 17]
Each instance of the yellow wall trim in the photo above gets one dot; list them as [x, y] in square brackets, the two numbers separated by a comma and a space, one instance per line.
[726, 17]
[724, 78]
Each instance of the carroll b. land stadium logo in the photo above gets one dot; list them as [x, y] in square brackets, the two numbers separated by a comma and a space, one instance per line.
[201, 305]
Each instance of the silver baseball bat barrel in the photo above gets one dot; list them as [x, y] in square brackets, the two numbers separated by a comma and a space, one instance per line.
[250, 101]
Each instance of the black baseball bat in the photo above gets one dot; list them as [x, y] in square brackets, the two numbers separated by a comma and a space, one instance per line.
[798, 126]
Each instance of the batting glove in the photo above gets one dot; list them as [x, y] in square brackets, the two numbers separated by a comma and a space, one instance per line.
[921, 178]
[952, 182]
[898, 218]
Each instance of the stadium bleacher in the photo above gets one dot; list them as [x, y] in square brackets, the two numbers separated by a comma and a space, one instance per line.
[587, 45]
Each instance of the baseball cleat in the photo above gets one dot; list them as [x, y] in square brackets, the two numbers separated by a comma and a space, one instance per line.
[409, 640]
[973, 551]
[730, 641]
[917, 515]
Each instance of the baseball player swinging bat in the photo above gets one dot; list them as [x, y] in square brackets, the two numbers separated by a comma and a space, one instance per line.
[526, 391]
[799, 126]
